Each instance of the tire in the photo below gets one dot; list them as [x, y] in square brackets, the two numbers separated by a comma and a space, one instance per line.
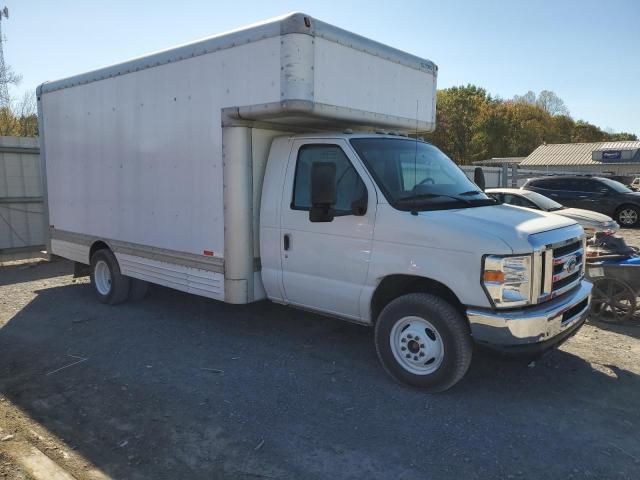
[428, 328]
[628, 216]
[139, 289]
[110, 285]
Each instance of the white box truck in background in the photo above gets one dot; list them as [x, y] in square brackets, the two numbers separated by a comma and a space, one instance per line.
[247, 166]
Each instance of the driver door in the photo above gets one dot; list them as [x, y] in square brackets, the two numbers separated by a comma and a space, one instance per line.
[325, 264]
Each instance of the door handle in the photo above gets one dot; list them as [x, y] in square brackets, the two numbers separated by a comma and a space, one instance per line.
[287, 241]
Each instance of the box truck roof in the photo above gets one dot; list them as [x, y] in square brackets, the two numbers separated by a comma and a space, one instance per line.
[329, 77]
[286, 24]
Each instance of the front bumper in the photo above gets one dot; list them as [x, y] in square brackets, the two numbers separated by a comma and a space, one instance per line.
[532, 329]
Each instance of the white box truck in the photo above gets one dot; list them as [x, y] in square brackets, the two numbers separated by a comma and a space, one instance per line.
[251, 166]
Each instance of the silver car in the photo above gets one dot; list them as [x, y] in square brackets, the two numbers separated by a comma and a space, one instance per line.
[591, 222]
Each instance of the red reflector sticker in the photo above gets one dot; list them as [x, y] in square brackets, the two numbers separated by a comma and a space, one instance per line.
[207, 253]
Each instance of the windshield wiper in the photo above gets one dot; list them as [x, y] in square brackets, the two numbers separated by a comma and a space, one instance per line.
[433, 195]
[470, 192]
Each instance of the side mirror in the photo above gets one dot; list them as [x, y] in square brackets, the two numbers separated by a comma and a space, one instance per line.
[359, 206]
[323, 192]
[478, 178]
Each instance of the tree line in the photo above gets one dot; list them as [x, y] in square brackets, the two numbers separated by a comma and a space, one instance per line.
[472, 125]
[19, 118]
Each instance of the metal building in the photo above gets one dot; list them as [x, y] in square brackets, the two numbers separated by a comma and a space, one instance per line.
[21, 207]
[600, 158]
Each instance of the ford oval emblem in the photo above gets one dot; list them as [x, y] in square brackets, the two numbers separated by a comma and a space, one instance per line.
[571, 264]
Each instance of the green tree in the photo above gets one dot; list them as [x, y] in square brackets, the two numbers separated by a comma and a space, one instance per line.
[20, 118]
[561, 129]
[492, 136]
[617, 137]
[585, 132]
[471, 125]
[458, 109]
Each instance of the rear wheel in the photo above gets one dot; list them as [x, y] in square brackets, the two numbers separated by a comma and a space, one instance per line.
[628, 216]
[110, 285]
[423, 341]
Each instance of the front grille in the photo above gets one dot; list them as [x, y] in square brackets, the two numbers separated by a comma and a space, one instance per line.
[566, 281]
[561, 268]
[575, 310]
[571, 247]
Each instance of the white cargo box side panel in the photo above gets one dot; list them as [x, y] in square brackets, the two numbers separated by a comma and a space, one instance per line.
[347, 77]
[138, 157]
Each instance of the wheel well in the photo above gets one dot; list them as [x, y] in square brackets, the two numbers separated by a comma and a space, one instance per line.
[625, 205]
[98, 245]
[394, 286]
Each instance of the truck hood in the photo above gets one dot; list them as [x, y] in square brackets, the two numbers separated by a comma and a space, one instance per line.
[510, 224]
[507, 218]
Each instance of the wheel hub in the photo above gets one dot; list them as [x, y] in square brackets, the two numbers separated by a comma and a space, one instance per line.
[417, 345]
[102, 277]
[413, 346]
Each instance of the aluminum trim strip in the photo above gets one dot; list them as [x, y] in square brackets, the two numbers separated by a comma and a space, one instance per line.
[212, 264]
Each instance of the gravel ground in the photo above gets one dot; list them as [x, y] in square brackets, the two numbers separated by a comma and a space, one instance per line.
[178, 386]
[9, 470]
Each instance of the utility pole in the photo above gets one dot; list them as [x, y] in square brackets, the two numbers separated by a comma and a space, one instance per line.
[4, 75]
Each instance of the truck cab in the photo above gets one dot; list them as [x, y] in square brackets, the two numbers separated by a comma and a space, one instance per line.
[386, 230]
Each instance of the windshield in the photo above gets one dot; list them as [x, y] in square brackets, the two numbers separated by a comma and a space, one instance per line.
[414, 175]
[545, 203]
[615, 186]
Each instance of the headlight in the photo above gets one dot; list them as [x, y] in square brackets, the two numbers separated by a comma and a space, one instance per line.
[507, 280]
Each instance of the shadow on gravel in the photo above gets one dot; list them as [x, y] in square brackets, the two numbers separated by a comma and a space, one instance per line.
[33, 270]
[178, 386]
[630, 328]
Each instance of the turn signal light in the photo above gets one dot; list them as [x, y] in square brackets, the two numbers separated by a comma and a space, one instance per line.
[493, 276]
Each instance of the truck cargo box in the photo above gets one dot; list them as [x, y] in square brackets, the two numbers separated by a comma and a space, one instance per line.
[162, 157]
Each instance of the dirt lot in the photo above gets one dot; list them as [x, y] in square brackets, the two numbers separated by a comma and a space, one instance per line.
[177, 386]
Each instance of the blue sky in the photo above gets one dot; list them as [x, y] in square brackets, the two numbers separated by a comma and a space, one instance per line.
[587, 51]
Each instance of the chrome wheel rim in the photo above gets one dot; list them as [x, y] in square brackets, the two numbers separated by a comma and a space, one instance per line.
[416, 345]
[102, 277]
[628, 216]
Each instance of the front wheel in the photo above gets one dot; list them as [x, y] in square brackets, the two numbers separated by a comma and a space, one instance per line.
[423, 341]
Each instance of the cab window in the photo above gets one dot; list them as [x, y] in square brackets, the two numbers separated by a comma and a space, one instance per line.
[349, 185]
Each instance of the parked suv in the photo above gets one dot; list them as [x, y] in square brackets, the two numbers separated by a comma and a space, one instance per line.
[591, 193]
